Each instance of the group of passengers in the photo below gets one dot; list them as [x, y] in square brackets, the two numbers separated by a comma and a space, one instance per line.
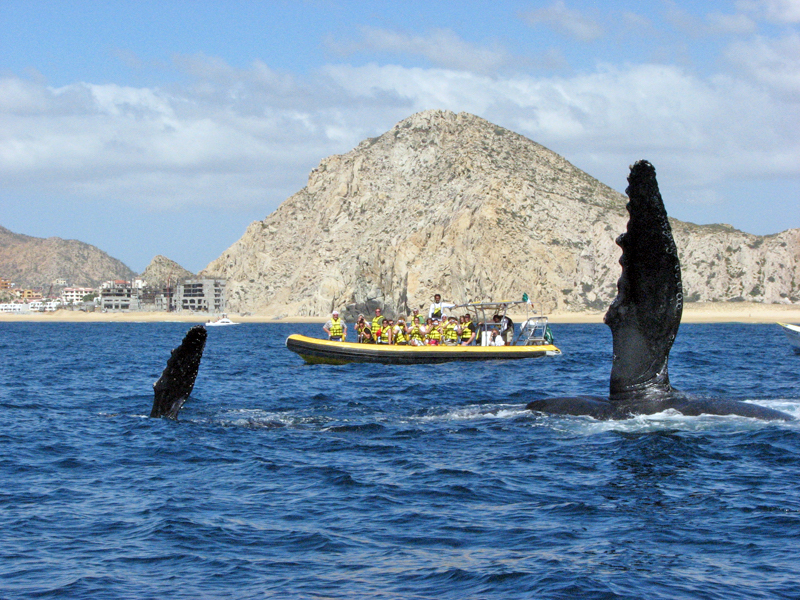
[438, 329]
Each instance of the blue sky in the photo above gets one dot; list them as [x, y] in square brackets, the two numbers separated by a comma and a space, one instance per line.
[167, 127]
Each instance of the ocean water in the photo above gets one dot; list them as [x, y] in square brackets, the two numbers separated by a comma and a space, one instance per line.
[284, 480]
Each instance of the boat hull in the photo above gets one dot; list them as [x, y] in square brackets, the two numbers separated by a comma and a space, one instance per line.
[316, 351]
[793, 335]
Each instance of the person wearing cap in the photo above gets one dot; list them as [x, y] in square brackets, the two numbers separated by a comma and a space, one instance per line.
[335, 328]
[366, 336]
[437, 309]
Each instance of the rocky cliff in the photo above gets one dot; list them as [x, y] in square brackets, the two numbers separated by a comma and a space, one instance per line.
[162, 271]
[38, 262]
[451, 203]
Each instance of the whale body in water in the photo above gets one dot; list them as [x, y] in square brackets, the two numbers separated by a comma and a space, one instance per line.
[177, 381]
[644, 320]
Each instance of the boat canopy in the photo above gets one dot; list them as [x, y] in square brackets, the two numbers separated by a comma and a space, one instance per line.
[533, 331]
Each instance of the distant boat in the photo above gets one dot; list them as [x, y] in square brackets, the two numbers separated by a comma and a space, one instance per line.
[793, 335]
[223, 320]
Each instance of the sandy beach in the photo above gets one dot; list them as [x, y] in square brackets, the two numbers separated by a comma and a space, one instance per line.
[712, 312]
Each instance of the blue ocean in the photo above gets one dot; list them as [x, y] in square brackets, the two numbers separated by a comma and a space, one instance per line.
[285, 480]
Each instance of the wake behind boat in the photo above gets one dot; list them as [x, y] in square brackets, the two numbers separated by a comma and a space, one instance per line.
[793, 335]
[533, 341]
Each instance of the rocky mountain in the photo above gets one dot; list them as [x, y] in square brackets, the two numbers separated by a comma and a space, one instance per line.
[38, 262]
[162, 270]
[451, 203]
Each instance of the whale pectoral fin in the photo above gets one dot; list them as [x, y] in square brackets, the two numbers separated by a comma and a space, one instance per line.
[177, 381]
[590, 406]
[646, 313]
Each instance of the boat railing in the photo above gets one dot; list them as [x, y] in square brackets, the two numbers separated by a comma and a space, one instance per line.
[533, 332]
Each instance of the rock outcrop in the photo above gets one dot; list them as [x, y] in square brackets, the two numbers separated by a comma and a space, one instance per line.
[451, 203]
[162, 271]
[38, 262]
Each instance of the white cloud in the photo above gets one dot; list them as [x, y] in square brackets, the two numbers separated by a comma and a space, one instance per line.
[785, 12]
[441, 46]
[735, 24]
[713, 24]
[567, 21]
[250, 136]
[772, 63]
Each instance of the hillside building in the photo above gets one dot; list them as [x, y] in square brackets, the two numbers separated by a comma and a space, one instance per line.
[205, 295]
[119, 295]
[75, 295]
[28, 295]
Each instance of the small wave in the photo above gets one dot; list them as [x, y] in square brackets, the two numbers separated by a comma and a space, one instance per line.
[481, 411]
[673, 420]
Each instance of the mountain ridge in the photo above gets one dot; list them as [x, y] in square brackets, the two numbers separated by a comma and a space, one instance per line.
[37, 262]
[451, 203]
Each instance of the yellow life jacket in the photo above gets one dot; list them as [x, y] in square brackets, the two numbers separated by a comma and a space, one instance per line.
[400, 336]
[415, 333]
[336, 329]
[450, 331]
[434, 334]
[385, 335]
[466, 332]
[376, 324]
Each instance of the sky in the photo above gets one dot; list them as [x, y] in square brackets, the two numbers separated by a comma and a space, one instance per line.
[167, 127]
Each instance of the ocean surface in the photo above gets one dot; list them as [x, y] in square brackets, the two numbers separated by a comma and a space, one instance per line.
[284, 480]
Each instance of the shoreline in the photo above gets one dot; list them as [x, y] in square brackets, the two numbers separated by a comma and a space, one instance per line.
[696, 312]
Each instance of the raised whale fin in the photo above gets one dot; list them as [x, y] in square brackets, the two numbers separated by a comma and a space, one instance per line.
[644, 320]
[645, 316]
[177, 381]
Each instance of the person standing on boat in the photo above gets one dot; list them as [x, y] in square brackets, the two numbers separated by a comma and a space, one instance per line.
[506, 328]
[335, 328]
[467, 330]
[377, 324]
[437, 310]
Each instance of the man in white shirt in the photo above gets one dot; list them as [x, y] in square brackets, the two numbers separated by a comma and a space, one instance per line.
[437, 310]
[336, 328]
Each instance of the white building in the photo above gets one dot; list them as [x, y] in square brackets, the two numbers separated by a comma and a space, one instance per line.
[75, 295]
[13, 307]
[207, 295]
